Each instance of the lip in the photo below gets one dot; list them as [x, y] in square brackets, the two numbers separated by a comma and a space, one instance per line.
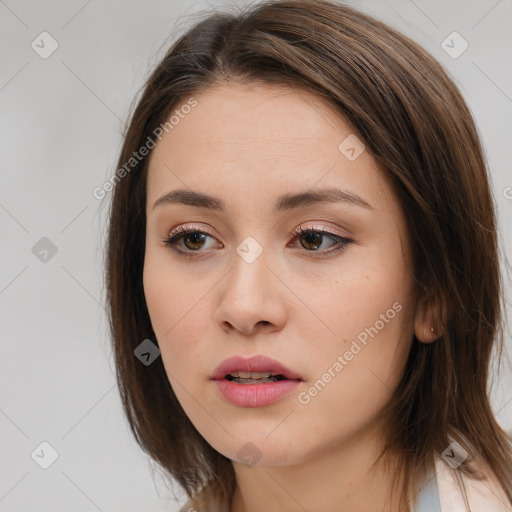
[254, 395]
[258, 363]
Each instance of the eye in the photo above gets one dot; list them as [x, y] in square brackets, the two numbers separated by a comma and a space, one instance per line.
[194, 240]
[313, 239]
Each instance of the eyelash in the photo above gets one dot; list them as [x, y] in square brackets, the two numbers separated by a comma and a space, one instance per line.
[172, 240]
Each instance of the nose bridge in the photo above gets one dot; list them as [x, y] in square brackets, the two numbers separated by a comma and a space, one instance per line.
[250, 272]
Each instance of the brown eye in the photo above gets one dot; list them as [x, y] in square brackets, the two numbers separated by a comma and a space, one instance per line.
[313, 240]
[194, 241]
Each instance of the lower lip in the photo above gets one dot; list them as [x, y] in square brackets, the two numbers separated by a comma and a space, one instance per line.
[255, 395]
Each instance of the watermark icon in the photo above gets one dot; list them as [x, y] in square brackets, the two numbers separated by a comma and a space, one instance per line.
[44, 455]
[44, 250]
[454, 45]
[146, 352]
[44, 45]
[249, 454]
[304, 397]
[249, 249]
[143, 151]
[454, 455]
[507, 192]
[351, 147]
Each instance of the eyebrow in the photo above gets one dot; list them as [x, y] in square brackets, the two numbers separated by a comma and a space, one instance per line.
[283, 203]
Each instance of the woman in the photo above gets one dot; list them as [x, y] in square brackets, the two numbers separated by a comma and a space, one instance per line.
[310, 246]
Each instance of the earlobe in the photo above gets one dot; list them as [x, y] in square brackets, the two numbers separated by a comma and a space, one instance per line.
[426, 338]
[425, 325]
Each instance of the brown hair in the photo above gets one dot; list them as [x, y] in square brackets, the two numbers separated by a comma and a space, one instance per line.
[414, 121]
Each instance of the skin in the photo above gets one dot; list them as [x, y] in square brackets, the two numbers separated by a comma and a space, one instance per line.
[247, 144]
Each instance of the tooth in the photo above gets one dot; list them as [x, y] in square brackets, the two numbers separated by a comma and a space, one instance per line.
[251, 375]
[254, 381]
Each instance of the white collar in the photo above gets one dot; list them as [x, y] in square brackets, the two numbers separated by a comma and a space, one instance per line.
[483, 495]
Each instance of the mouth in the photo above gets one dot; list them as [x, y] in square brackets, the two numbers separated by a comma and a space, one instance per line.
[254, 370]
[252, 386]
[255, 382]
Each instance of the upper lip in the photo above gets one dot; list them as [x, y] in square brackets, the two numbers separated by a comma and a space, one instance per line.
[257, 363]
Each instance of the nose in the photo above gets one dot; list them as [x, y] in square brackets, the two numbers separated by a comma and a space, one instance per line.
[252, 299]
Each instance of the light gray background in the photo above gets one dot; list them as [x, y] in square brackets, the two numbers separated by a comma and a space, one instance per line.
[60, 124]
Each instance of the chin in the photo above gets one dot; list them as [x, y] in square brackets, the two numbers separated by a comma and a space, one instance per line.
[261, 451]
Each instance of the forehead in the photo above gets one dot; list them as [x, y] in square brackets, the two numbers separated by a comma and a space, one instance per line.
[255, 141]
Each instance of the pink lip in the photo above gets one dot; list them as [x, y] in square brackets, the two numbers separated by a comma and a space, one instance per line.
[254, 395]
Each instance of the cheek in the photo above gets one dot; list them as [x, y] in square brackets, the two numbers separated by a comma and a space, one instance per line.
[353, 377]
[171, 294]
[180, 307]
[176, 311]
[368, 311]
[368, 290]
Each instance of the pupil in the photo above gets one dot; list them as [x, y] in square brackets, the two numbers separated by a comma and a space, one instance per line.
[316, 239]
[194, 237]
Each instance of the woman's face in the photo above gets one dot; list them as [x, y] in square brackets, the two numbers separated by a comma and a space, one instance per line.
[338, 312]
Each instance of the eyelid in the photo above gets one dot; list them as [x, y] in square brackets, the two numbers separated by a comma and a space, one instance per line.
[189, 227]
[322, 227]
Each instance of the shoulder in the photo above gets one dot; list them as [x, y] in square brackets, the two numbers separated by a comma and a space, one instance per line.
[482, 495]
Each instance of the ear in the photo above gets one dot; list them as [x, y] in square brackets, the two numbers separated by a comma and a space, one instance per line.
[426, 326]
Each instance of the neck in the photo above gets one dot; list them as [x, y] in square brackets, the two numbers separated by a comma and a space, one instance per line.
[342, 478]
